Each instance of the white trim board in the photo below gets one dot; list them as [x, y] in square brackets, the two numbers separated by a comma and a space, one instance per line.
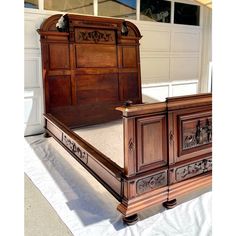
[160, 91]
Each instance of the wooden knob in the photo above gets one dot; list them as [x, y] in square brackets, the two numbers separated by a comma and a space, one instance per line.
[128, 103]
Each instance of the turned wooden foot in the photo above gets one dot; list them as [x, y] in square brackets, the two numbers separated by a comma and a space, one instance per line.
[130, 220]
[170, 204]
[46, 135]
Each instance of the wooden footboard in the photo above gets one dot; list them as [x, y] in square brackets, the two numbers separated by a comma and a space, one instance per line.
[167, 150]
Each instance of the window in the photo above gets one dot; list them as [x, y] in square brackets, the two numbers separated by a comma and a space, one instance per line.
[186, 14]
[117, 8]
[150, 10]
[31, 4]
[155, 10]
[75, 6]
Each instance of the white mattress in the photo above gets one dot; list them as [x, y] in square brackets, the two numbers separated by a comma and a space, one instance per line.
[107, 138]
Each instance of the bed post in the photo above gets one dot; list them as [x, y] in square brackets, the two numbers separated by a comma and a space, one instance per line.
[46, 133]
[129, 167]
[145, 161]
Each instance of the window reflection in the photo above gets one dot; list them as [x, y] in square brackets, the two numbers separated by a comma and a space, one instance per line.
[155, 10]
[75, 6]
[186, 14]
[117, 8]
[31, 4]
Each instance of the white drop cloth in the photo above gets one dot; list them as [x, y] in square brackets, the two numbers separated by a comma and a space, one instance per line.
[88, 209]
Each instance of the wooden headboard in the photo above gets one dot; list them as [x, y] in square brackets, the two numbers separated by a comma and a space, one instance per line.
[90, 66]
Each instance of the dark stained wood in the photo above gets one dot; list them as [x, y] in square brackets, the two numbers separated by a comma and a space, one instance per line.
[190, 130]
[129, 89]
[102, 68]
[90, 89]
[129, 56]
[151, 130]
[189, 169]
[144, 201]
[188, 101]
[83, 114]
[189, 185]
[129, 146]
[46, 135]
[152, 148]
[91, 75]
[59, 56]
[102, 168]
[96, 55]
[131, 220]
[58, 88]
[170, 204]
[142, 109]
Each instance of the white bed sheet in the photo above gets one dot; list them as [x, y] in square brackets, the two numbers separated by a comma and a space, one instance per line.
[87, 208]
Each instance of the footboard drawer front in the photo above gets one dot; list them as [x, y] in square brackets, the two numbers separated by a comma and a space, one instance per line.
[151, 142]
[189, 170]
[150, 183]
[191, 134]
[145, 184]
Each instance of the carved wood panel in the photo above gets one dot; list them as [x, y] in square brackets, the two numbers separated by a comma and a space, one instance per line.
[193, 169]
[190, 170]
[150, 183]
[94, 36]
[191, 134]
[195, 132]
[73, 147]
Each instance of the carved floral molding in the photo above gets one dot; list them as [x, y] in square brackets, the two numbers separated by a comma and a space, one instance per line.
[79, 152]
[94, 36]
[193, 169]
[151, 182]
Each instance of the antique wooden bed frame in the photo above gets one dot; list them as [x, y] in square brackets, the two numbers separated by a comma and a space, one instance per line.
[91, 75]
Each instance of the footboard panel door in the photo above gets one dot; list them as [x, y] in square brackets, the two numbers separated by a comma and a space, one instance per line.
[151, 142]
[192, 134]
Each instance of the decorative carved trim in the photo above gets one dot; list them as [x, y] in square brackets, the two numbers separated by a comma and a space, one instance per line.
[199, 136]
[131, 145]
[95, 36]
[171, 137]
[78, 151]
[93, 24]
[193, 169]
[151, 182]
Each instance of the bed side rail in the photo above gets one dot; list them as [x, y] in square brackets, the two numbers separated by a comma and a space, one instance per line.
[107, 173]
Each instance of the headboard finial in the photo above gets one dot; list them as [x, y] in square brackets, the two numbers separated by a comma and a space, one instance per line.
[63, 23]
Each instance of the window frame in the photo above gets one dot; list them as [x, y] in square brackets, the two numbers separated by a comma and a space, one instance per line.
[41, 10]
